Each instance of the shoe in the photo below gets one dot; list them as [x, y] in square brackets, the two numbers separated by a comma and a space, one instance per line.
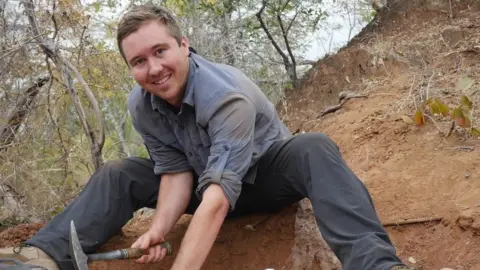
[26, 257]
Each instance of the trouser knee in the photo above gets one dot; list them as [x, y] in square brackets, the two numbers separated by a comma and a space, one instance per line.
[115, 174]
[316, 141]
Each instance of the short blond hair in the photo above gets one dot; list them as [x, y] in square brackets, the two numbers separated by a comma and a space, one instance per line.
[140, 14]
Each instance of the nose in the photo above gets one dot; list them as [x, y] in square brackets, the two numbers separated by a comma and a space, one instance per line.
[155, 66]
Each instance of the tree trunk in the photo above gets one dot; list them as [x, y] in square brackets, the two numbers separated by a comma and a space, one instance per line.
[288, 61]
[18, 114]
[119, 127]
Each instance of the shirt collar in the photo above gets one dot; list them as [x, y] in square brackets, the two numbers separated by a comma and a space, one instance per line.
[161, 105]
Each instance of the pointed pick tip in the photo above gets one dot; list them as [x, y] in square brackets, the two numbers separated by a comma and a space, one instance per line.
[79, 259]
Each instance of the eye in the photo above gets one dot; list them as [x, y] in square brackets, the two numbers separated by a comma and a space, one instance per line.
[138, 61]
[159, 52]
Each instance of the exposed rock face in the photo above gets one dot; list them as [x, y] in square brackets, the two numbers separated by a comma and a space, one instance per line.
[310, 250]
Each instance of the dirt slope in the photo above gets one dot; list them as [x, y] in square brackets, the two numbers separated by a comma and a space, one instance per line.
[412, 172]
[411, 49]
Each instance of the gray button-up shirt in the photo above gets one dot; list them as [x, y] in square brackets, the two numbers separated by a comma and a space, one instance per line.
[224, 126]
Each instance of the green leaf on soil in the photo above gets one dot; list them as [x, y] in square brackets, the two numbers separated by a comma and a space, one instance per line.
[419, 118]
[464, 83]
[466, 102]
[461, 119]
[438, 107]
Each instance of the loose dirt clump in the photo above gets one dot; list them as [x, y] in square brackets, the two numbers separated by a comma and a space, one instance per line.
[469, 219]
[18, 234]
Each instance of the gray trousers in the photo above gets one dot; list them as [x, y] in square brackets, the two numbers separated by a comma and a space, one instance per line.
[308, 165]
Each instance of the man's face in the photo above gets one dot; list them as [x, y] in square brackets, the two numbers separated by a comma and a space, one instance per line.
[157, 62]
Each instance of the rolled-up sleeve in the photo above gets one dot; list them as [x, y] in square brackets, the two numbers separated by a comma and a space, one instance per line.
[231, 122]
[166, 158]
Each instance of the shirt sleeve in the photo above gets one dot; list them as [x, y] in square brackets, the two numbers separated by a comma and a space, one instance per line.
[231, 122]
[166, 158]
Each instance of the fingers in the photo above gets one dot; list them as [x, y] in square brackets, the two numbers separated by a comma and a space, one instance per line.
[155, 254]
[138, 242]
[163, 253]
[142, 243]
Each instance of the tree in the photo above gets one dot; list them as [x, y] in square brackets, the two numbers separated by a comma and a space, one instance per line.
[285, 15]
[95, 138]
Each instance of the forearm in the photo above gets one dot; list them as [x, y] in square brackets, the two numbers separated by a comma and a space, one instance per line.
[173, 198]
[203, 230]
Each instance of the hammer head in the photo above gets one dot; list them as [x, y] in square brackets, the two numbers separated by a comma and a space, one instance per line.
[79, 259]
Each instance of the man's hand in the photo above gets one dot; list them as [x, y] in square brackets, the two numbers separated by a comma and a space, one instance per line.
[173, 198]
[150, 241]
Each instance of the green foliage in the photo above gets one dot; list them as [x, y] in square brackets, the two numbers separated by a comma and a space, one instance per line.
[56, 210]
[461, 114]
[368, 16]
[141, 151]
[10, 222]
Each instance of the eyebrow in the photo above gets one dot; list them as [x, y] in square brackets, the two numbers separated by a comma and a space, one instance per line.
[155, 46]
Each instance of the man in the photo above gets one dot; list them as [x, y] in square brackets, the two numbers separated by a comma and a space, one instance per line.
[218, 149]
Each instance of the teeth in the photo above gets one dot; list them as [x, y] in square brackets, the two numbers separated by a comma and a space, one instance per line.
[162, 80]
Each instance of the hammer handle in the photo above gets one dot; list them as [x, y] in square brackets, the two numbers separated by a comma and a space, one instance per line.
[126, 253]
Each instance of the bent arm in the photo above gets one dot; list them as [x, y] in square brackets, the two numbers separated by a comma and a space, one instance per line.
[231, 129]
[173, 198]
[203, 229]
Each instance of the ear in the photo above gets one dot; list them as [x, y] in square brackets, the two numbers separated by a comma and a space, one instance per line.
[184, 46]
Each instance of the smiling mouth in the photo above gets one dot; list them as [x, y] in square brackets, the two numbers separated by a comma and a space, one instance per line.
[162, 80]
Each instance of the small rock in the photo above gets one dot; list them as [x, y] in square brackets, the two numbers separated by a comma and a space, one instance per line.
[466, 219]
[453, 35]
[446, 269]
[412, 260]
[476, 225]
[446, 221]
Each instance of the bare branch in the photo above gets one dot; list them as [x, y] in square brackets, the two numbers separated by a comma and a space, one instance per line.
[20, 46]
[306, 63]
[96, 141]
[55, 25]
[285, 38]
[269, 35]
[291, 22]
[284, 6]
[16, 117]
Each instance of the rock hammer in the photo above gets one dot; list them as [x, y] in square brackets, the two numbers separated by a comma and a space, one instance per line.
[80, 260]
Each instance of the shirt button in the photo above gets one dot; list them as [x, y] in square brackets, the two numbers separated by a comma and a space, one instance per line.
[182, 127]
[226, 147]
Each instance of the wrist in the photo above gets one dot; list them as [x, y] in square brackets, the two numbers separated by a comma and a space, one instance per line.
[158, 226]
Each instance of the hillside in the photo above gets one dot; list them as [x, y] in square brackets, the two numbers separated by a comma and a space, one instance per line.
[416, 175]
